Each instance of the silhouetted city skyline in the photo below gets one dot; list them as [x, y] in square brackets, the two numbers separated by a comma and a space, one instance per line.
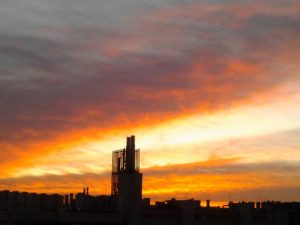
[126, 206]
[209, 88]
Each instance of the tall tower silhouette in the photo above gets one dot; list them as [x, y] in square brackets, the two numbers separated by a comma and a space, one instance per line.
[126, 183]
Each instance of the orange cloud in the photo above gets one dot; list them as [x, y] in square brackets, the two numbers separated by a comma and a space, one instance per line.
[172, 63]
[215, 179]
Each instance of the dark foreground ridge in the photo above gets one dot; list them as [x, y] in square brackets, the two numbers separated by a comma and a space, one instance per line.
[125, 205]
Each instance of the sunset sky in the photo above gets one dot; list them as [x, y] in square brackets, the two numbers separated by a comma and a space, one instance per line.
[210, 88]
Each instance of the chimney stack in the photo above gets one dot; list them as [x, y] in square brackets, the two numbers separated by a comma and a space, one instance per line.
[133, 143]
[207, 203]
[130, 154]
[128, 144]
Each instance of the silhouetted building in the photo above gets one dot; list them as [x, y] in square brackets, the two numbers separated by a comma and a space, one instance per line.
[31, 202]
[127, 182]
[125, 205]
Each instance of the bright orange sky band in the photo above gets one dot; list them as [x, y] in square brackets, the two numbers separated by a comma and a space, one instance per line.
[210, 89]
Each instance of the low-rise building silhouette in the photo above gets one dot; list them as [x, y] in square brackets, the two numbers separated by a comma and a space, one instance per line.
[125, 205]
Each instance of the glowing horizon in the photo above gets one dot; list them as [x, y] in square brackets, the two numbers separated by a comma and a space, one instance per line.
[210, 90]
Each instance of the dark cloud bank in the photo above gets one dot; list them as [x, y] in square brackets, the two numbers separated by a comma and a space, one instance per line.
[66, 68]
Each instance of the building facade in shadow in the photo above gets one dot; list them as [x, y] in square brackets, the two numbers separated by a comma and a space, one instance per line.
[126, 182]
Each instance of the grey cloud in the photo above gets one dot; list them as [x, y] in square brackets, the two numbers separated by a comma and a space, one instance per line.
[54, 65]
[277, 168]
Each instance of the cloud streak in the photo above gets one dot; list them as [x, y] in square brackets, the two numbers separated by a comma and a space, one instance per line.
[241, 181]
[71, 75]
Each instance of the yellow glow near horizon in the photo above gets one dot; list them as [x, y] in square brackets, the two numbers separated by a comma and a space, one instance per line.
[176, 138]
